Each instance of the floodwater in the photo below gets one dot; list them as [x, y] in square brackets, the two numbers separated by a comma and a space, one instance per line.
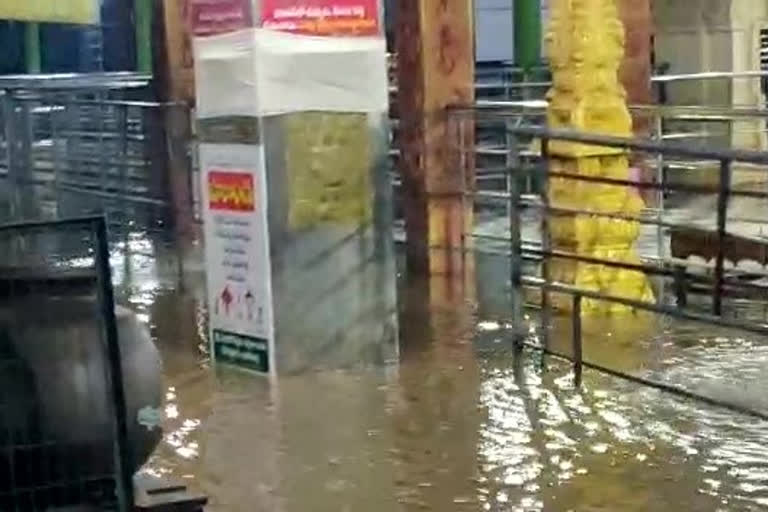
[462, 423]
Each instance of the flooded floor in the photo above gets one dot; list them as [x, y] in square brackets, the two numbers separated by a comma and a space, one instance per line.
[462, 423]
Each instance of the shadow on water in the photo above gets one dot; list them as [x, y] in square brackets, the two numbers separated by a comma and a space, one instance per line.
[463, 422]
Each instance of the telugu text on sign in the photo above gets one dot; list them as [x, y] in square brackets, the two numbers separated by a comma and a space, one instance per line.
[211, 17]
[322, 17]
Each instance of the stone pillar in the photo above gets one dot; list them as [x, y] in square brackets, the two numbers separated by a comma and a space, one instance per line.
[586, 48]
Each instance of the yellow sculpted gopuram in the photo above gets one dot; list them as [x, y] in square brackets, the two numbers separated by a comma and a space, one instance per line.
[586, 47]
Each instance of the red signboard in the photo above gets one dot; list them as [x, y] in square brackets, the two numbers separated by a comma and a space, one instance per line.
[322, 17]
[211, 17]
[230, 191]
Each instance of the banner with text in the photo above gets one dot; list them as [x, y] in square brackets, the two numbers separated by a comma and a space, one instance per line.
[237, 255]
[322, 17]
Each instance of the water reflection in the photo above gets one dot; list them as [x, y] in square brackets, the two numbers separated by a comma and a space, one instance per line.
[464, 422]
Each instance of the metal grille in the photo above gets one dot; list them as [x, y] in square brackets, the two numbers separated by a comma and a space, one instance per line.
[63, 433]
[78, 148]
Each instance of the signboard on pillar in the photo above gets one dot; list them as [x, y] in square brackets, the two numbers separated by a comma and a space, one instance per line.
[237, 255]
[59, 11]
[322, 17]
[211, 17]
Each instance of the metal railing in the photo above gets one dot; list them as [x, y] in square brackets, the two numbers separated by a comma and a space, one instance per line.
[506, 81]
[531, 257]
[73, 145]
[88, 150]
[700, 126]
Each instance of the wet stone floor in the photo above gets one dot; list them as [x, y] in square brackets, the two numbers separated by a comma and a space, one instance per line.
[462, 423]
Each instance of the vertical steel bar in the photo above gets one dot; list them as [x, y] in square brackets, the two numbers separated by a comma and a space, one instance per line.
[9, 128]
[103, 170]
[26, 198]
[681, 286]
[546, 245]
[11, 142]
[511, 163]
[578, 355]
[57, 149]
[515, 239]
[124, 207]
[660, 181]
[722, 219]
[122, 452]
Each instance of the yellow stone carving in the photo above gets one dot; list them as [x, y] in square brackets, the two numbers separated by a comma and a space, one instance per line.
[586, 46]
[328, 168]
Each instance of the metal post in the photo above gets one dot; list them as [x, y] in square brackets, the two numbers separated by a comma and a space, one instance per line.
[681, 286]
[53, 103]
[578, 357]
[9, 119]
[660, 181]
[124, 193]
[661, 246]
[516, 260]
[722, 219]
[25, 200]
[122, 453]
[546, 246]
[511, 161]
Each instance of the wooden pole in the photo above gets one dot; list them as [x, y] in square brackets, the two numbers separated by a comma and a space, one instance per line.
[174, 62]
[435, 47]
[174, 80]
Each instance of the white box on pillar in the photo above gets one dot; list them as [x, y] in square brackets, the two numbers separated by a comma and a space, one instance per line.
[297, 200]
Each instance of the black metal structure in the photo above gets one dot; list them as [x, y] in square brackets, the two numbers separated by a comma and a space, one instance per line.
[42, 466]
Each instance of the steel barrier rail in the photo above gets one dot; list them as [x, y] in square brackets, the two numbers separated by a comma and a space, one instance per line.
[658, 80]
[741, 155]
[70, 81]
[521, 250]
[497, 107]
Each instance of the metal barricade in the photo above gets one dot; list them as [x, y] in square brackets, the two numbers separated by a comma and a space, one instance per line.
[719, 233]
[697, 125]
[80, 146]
[63, 433]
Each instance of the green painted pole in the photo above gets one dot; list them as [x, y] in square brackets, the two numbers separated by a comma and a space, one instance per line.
[527, 29]
[142, 17]
[32, 56]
